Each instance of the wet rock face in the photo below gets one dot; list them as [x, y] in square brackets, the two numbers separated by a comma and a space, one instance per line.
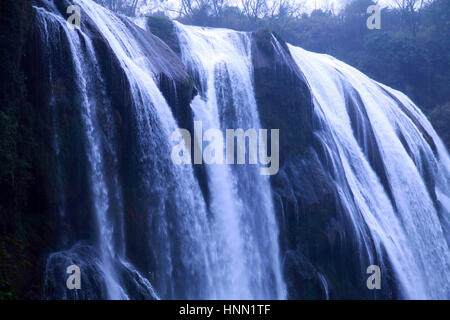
[282, 94]
[440, 118]
[284, 102]
[25, 224]
[164, 29]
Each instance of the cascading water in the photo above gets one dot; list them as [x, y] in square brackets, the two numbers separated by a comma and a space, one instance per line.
[84, 62]
[155, 124]
[241, 203]
[390, 172]
[404, 221]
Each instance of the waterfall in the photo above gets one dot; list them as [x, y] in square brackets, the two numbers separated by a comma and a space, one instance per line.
[155, 123]
[401, 215]
[148, 228]
[241, 201]
[84, 61]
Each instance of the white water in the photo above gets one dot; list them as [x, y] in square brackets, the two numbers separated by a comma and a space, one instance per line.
[221, 58]
[196, 243]
[85, 64]
[100, 194]
[411, 233]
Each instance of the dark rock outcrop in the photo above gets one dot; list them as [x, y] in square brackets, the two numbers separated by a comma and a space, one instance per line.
[440, 118]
